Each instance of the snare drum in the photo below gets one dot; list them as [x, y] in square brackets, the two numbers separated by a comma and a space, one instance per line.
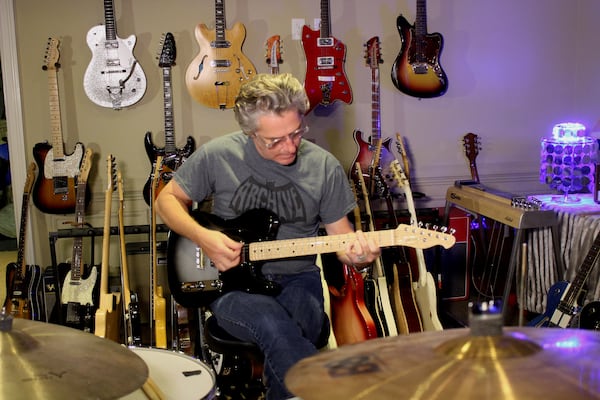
[178, 376]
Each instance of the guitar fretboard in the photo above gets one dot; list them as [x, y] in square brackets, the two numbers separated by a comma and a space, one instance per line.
[55, 123]
[109, 19]
[220, 24]
[170, 147]
[325, 29]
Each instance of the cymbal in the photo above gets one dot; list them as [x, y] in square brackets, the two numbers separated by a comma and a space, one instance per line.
[41, 360]
[520, 363]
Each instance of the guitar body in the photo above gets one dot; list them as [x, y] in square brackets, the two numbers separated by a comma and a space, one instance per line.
[54, 188]
[408, 318]
[23, 299]
[426, 298]
[160, 319]
[215, 75]
[351, 319]
[171, 161]
[590, 316]
[79, 299]
[107, 320]
[365, 156]
[555, 294]
[187, 264]
[416, 70]
[113, 78]
[372, 305]
[326, 79]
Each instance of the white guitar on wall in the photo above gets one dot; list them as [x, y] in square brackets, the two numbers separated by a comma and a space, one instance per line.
[114, 78]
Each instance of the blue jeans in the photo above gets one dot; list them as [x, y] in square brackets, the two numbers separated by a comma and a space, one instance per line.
[285, 327]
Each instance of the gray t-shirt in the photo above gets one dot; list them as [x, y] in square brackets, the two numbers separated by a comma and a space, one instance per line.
[312, 190]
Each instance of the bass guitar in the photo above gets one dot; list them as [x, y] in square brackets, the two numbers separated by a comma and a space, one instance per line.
[173, 157]
[215, 75]
[326, 79]
[108, 314]
[158, 301]
[114, 78]
[424, 288]
[194, 281]
[563, 297]
[273, 53]
[376, 151]
[131, 309]
[417, 71]
[54, 189]
[78, 297]
[23, 299]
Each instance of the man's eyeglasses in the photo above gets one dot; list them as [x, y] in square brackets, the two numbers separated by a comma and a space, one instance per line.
[294, 136]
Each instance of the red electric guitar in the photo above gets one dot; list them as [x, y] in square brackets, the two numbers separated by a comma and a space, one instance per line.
[325, 80]
[417, 71]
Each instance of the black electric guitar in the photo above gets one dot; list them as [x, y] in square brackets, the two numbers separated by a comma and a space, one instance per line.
[54, 189]
[108, 314]
[417, 71]
[114, 78]
[79, 290]
[273, 53]
[194, 281]
[589, 317]
[215, 75]
[563, 297]
[23, 298]
[173, 157]
[326, 79]
[374, 153]
[131, 308]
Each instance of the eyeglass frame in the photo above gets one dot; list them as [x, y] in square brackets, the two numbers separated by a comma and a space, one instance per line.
[297, 134]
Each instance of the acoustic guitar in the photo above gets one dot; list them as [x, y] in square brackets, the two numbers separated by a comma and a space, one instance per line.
[173, 157]
[23, 295]
[425, 287]
[273, 53]
[417, 71]
[114, 78]
[131, 309]
[326, 80]
[108, 314]
[54, 189]
[374, 152]
[158, 301]
[215, 75]
[79, 292]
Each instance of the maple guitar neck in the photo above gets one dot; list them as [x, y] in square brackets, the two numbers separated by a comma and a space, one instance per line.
[159, 305]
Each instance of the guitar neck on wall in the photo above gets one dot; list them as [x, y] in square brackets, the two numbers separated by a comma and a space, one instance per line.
[273, 53]
[173, 157]
[114, 78]
[23, 281]
[417, 71]
[215, 75]
[326, 79]
[108, 314]
[54, 189]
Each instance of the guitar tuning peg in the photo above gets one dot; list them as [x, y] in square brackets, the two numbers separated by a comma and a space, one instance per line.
[435, 227]
[443, 229]
[452, 231]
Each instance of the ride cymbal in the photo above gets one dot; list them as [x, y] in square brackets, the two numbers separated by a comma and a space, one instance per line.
[39, 360]
[521, 363]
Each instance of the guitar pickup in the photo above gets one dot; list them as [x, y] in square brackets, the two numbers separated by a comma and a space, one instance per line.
[325, 62]
[325, 42]
[220, 63]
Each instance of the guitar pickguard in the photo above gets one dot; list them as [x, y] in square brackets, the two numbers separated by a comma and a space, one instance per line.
[66, 167]
[81, 290]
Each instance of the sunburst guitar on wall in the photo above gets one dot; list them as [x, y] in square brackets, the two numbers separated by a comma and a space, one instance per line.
[417, 71]
[326, 79]
[113, 78]
[215, 75]
[173, 157]
[54, 189]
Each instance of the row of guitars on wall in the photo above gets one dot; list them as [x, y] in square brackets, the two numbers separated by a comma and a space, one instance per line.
[81, 298]
[115, 79]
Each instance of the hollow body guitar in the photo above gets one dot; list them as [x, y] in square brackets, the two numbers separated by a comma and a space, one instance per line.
[215, 75]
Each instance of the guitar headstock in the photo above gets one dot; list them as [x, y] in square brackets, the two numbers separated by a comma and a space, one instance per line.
[168, 51]
[111, 173]
[51, 55]
[421, 238]
[30, 178]
[86, 166]
[404, 154]
[274, 50]
[472, 146]
[373, 53]
[399, 175]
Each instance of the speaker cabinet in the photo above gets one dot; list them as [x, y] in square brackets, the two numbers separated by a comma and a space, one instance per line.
[454, 262]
